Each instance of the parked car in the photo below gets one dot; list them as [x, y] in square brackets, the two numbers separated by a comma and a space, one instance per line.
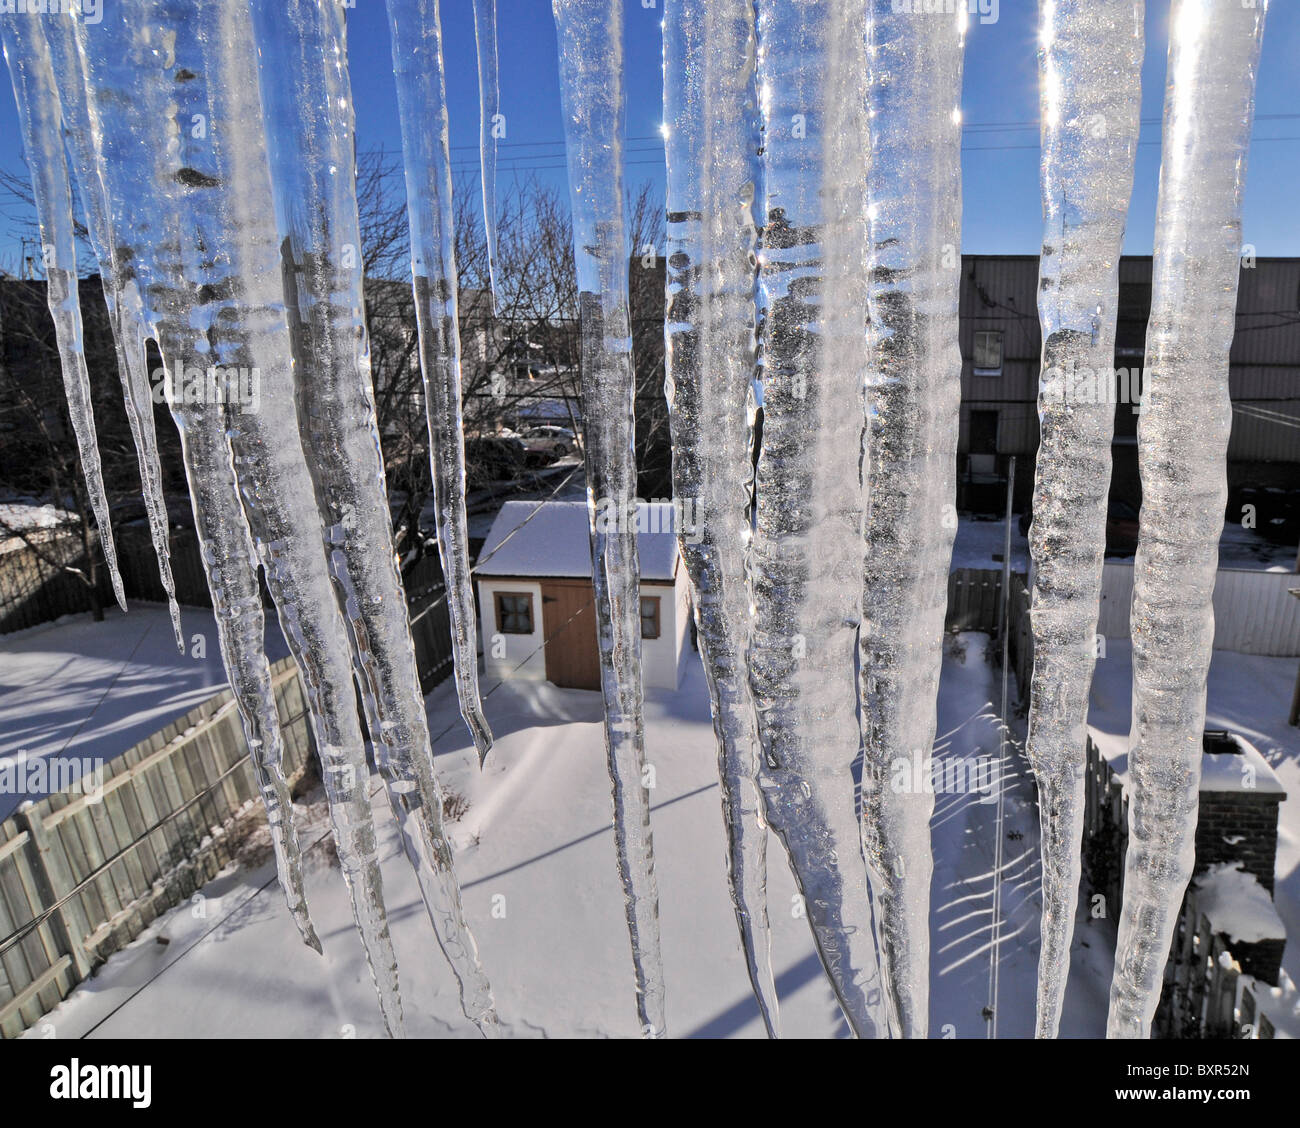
[549, 442]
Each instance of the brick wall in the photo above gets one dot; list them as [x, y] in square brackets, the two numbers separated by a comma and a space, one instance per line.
[1251, 816]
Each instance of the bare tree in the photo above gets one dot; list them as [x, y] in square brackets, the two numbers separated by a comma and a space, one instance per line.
[519, 359]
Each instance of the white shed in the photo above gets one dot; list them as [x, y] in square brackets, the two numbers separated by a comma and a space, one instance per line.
[536, 602]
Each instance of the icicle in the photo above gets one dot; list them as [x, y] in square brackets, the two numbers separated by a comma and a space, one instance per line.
[1090, 63]
[307, 99]
[590, 34]
[489, 107]
[712, 123]
[226, 200]
[229, 563]
[123, 167]
[122, 296]
[1182, 454]
[422, 107]
[807, 552]
[211, 174]
[28, 54]
[913, 394]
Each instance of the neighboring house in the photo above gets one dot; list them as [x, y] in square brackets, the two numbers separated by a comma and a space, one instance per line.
[1001, 346]
[536, 603]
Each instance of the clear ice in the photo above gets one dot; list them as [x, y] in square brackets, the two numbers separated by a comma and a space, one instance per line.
[1214, 48]
[590, 34]
[806, 558]
[713, 136]
[912, 403]
[304, 66]
[1090, 70]
[422, 108]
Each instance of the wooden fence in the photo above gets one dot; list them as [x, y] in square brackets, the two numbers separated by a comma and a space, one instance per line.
[32, 591]
[81, 878]
[975, 604]
[1105, 829]
[1199, 999]
[1205, 994]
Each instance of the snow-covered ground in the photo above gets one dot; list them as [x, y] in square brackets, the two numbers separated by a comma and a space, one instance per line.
[536, 860]
[980, 543]
[1250, 695]
[76, 688]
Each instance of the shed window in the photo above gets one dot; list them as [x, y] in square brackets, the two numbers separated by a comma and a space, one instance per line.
[514, 612]
[988, 352]
[650, 616]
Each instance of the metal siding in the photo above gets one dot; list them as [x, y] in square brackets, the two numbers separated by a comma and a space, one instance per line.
[1254, 612]
[999, 292]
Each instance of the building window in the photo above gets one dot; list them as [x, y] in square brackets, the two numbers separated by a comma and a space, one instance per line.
[650, 616]
[988, 353]
[514, 612]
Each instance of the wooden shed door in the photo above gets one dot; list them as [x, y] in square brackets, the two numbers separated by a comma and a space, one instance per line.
[569, 623]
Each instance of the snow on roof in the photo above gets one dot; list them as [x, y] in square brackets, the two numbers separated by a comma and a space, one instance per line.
[33, 519]
[1244, 771]
[553, 539]
[1236, 904]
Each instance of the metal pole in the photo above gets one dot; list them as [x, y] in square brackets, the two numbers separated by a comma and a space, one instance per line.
[1294, 718]
[1004, 626]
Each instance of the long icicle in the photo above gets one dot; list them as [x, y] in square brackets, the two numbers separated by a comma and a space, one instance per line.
[128, 170]
[711, 115]
[912, 403]
[590, 34]
[122, 296]
[1090, 67]
[422, 106]
[124, 304]
[223, 191]
[807, 552]
[1214, 48]
[489, 110]
[40, 120]
[304, 65]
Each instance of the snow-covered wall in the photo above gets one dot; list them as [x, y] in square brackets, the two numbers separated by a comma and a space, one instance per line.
[511, 655]
[661, 658]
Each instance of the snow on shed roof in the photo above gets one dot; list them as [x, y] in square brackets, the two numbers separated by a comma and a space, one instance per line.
[553, 539]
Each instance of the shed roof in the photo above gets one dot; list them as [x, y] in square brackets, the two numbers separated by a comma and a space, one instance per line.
[553, 539]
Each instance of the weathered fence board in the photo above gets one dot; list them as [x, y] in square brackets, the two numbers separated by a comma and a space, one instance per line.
[95, 874]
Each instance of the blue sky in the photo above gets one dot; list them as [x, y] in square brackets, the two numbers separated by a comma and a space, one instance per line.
[1000, 107]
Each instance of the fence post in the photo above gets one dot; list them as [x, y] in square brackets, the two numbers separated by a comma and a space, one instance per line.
[53, 880]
